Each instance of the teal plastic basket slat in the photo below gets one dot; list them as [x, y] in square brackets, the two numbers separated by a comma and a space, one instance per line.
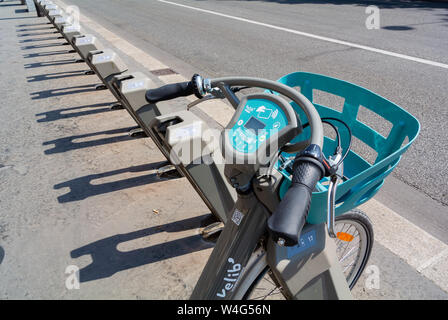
[363, 178]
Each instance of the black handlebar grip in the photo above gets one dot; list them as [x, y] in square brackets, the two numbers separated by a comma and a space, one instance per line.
[170, 91]
[288, 219]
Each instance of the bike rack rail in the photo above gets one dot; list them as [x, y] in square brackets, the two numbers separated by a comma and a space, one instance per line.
[181, 130]
[165, 127]
[84, 44]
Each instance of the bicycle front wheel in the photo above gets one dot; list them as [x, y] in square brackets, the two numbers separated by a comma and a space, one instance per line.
[354, 243]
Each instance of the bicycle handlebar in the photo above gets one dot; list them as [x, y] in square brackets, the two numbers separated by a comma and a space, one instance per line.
[172, 91]
[169, 91]
[288, 219]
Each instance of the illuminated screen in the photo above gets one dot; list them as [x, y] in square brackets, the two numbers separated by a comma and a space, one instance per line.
[254, 124]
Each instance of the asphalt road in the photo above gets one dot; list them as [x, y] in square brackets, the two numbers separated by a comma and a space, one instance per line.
[216, 45]
[76, 190]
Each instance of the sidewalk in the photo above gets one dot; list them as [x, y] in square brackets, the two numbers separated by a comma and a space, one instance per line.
[75, 189]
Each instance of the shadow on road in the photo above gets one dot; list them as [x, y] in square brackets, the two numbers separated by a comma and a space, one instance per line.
[107, 260]
[36, 29]
[386, 4]
[67, 144]
[1, 19]
[49, 63]
[412, 25]
[62, 91]
[36, 34]
[82, 187]
[55, 75]
[42, 46]
[58, 114]
[33, 24]
[398, 28]
[2, 254]
[46, 54]
[40, 39]
[9, 4]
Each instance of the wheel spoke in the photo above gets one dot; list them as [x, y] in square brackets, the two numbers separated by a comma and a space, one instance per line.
[352, 250]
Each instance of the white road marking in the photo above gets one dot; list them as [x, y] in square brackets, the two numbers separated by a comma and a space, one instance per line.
[418, 248]
[434, 260]
[314, 36]
[406, 240]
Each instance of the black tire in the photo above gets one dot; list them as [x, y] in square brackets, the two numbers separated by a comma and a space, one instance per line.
[361, 218]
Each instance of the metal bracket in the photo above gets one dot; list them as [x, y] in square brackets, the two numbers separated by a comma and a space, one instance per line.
[169, 171]
[214, 94]
[116, 106]
[198, 101]
[137, 133]
[100, 87]
[331, 204]
[334, 180]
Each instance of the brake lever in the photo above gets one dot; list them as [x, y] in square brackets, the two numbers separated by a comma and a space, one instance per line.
[214, 93]
[330, 205]
[198, 101]
[334, 180]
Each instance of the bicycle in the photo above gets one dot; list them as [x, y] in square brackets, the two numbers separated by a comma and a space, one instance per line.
[273, 235]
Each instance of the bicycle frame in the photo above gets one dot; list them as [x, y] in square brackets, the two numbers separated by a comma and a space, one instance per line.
[233, 249]
[308, 271]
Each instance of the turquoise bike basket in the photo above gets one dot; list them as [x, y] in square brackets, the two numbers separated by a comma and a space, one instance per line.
[362, 179]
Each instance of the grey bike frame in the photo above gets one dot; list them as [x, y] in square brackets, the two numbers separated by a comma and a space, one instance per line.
[310, 270]
[233, 249]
